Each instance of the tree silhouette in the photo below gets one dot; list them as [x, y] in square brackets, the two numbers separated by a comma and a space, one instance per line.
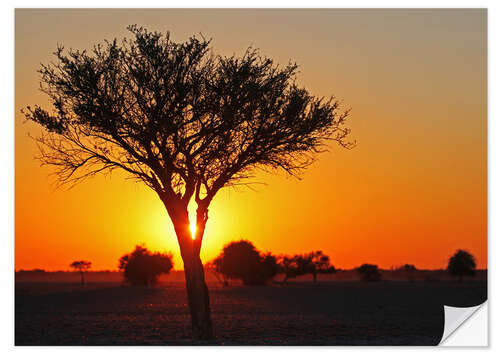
[82, 266]
[320, 263]
[462, 263]
[369, 272]
[215, 266]
[288, 266]
[241, 260]
[182, 121]
[409, 269]
[266, 269]
[141, 267]
[312, 263]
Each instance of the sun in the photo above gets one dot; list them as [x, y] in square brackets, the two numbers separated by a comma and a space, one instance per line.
[192, 227]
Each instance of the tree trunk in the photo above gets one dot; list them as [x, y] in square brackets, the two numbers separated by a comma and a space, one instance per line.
[83, 279]
[196, 288]
[315, 279]
[199, 303]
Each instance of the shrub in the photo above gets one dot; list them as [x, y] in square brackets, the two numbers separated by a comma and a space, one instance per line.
[141, 267]
[312, 263]
[410, 271]
[369, 272]
[462, 263]
[241, 260]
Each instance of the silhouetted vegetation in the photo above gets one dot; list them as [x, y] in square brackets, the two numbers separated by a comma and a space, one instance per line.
[461, 264]
[241, 260]
[141, 267]
[369, 272]
[184, 122]
[82, 266]
[410, 271]
[36, 270]
[313, 263]
[214, 267]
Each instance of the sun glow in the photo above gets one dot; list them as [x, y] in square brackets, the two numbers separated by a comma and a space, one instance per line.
[192, 227]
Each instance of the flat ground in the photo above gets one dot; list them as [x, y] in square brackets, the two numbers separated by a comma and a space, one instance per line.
[300, 313]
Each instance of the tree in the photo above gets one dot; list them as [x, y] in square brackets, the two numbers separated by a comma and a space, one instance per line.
[241, 260]
[288, 266]
[82, 266]
[141, 267]
[369, 272]
[462, 263]
[409, 269]
[313, 263]
[182, 121]
[215, 266]
[320, 263]
[266, 270]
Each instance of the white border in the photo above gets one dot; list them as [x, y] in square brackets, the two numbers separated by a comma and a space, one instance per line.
[7, 154]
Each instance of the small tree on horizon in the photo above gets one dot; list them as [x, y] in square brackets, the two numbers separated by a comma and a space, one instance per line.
[182, 121]
[410, 271]
[82, 266]
[369, 272]
[320, 263]
[461, 264]
[313, 263]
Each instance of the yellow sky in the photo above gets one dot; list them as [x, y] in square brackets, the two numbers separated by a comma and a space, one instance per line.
[413, 190]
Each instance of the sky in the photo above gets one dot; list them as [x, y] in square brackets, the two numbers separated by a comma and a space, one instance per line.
[413, 190]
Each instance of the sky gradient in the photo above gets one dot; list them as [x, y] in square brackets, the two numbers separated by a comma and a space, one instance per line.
[413, 190]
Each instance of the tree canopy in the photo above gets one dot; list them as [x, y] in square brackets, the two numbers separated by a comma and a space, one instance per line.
[311, 263]
[142, 267]
[462, 263]
[81, 265]
[369, 272]
[241, 260]
[177, 117]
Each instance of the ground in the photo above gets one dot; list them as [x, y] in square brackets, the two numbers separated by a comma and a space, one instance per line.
[299, 313]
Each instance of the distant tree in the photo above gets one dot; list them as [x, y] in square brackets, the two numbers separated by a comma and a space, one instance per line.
[320, 263]
[241, 260]
[288, 266]
[215, 266]
[369, 272]
[409, 269]
[462, 263]
[82, 266]
[182, 121]
[141, 267]
[312, 263]
[266, 269]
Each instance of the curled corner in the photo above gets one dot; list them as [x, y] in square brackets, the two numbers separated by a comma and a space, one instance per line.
[454, 317]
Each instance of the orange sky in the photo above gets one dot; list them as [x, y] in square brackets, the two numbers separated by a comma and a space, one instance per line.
[413, 190]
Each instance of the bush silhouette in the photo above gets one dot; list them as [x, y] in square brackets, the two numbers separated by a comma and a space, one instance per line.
[241, 260]
[409, 269]
[462, 263]
[141, 267]
[215, 266]
[312, 263]
[266, 269]
[82, 266]
[369, 272]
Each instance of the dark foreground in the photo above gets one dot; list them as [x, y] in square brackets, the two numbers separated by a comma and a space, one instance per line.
[329, 313]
